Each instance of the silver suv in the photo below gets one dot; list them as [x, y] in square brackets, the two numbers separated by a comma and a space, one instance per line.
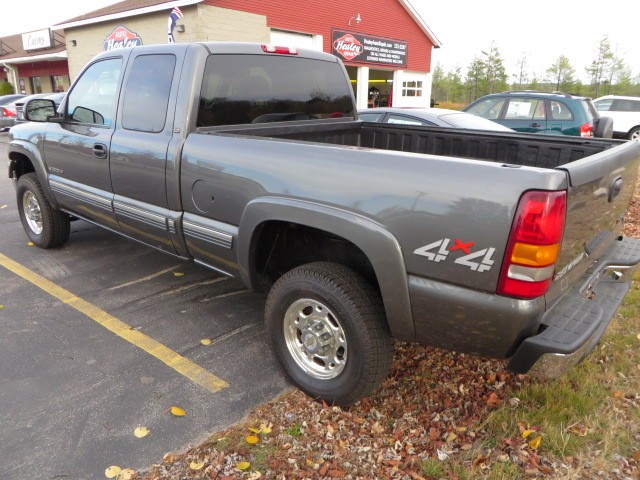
[625, 112]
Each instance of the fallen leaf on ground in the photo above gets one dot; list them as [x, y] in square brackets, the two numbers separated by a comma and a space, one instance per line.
[266, 429]
[243, 466]
[535, 443]
[178, 274]
[3, 206]
[493, 400]
[617, 394]
[252, 439]
[141, 432]
[196, 465]
[126, 474]
[31, 244]
[526, 433]
[178, 412]
[206, 341]
[112, 472]
[255, 430]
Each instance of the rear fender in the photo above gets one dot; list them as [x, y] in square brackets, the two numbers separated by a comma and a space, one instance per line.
[380, 247]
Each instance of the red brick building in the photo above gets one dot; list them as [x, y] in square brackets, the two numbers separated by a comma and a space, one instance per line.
[385, 45]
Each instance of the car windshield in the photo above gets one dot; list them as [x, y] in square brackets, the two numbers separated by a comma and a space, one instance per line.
[463, 120]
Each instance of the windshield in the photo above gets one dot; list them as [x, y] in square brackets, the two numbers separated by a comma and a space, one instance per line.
[240, 89]
[464, 120]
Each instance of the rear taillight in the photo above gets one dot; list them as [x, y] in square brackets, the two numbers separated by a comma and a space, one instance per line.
[281, 50]
[586, 130]
[6, 112]
[534, 244]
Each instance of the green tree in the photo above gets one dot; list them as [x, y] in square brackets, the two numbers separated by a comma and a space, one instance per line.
[439, 88]
[599, 70]
[495, 73]
[475, 82]
[456, 91]
[521, 76]
[561, 73]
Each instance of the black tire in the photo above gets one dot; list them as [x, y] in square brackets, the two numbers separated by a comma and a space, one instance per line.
[45, 226]
[349, 319]
[634, 134]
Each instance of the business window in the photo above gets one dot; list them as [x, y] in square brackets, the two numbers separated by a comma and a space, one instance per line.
[412, 89]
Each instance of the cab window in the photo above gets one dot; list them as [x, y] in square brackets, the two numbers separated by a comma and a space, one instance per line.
[146, 95]
[240, 89]
[94, 96]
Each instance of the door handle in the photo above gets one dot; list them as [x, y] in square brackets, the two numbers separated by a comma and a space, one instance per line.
[100, 150]
[535, 125]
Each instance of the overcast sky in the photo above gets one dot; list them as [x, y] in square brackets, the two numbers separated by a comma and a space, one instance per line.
[543, 31]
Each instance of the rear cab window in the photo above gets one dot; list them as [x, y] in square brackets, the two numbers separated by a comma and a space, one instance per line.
[242, 89]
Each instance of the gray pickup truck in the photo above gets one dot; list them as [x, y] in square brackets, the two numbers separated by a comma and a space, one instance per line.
[250, 160]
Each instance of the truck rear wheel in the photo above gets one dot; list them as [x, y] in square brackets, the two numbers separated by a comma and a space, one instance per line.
[45, 226]
[634, 134]
[329, 332]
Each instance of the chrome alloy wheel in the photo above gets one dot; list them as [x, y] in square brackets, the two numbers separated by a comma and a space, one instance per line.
[315, 339]
[32, 212]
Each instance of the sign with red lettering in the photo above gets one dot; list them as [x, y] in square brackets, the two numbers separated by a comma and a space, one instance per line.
[121, 37]
[361, 48]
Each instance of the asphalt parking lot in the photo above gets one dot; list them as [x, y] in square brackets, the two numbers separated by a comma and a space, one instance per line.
[103, 336]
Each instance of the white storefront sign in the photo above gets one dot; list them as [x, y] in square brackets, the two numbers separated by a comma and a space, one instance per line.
[37, 39]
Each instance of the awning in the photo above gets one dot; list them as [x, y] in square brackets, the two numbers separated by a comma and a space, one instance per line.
[48, 57]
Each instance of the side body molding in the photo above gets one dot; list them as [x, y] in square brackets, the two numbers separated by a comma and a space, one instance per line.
[380, 247]
[32, 152]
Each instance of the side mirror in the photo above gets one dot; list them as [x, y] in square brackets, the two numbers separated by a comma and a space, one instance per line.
[39, 110]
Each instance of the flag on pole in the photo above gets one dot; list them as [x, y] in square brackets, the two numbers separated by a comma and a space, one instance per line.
[174, 16]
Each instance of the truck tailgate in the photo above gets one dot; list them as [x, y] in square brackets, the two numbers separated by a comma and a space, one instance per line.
[596, 264]
[600, 189]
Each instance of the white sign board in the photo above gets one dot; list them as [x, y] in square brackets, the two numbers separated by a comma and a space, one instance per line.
[37, 39]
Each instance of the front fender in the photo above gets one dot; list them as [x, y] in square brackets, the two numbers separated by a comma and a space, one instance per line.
[380, 247]
[22, 151]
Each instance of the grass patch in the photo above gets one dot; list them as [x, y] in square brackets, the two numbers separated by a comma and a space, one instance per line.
[433, 468]
[294, 430]
[584, 414]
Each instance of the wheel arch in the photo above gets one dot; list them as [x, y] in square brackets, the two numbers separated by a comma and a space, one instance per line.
[378, 245]
[24, 157]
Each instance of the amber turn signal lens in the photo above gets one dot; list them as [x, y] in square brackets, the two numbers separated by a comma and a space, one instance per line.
[535, 255]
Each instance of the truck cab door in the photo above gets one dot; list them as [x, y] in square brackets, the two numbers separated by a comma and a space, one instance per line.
[525, 114]
[139, 147]
[77, 148]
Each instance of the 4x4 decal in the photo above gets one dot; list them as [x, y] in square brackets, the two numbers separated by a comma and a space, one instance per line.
[440, 251]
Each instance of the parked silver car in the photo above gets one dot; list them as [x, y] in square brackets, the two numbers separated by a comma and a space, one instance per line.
[440, 117]
[8, 110]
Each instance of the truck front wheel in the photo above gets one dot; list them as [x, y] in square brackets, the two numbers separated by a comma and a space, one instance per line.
[329, 332]
[45, 226]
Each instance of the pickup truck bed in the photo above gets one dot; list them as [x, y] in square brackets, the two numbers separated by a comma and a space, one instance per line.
[513, 149]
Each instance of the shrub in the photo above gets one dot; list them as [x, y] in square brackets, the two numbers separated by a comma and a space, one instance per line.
[6, 88]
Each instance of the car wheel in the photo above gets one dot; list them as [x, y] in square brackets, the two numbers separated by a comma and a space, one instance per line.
[45, 226]
[634, 134]
[329, 332]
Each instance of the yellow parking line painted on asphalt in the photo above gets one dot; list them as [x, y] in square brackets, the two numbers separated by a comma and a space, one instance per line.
[174, 360]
